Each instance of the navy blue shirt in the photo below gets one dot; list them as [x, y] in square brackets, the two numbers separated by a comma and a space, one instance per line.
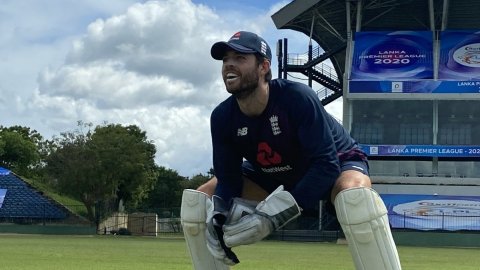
[294, 141]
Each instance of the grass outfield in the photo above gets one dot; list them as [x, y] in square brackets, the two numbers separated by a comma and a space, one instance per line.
[42, 252]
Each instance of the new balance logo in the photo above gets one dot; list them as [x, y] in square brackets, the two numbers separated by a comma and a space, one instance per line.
[242, 131]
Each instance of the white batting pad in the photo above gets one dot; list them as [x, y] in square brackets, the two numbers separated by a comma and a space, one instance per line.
[363, 217]
[193, 215]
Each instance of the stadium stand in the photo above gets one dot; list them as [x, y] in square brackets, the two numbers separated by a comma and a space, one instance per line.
[455, 134]
[368, 132]
[23, 202]
[415, 133]
[417, 115]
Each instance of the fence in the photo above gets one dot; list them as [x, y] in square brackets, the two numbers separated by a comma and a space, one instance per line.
[166, 222]
[139, 223]
[437, 222]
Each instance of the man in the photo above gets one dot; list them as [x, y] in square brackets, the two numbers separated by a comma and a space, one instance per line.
[274, 142]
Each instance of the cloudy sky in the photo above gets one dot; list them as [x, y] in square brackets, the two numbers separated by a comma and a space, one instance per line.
[145, 63]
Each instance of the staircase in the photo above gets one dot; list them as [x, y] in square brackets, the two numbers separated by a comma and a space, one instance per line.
[318, 71]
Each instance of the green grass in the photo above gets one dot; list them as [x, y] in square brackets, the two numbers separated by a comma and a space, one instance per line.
[41, 252]
[73, 205]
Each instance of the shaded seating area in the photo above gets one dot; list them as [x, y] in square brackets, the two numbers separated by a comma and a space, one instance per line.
[455, 134]
[368, 133]
[23, 202]
[415, 133]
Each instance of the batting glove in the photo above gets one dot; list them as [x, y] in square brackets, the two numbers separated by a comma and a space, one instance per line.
[271, 214]
[216, 217]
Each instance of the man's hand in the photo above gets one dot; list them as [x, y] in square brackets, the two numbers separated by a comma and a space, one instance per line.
[216, 217]
[274, 212]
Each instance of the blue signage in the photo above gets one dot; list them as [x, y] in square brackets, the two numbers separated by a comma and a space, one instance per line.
[459, 55]
[396, 55]
[402, 62]
[427, 86]
[422, 150]
[433, 212]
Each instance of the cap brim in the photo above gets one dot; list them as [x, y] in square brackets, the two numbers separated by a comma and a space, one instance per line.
[218, 49]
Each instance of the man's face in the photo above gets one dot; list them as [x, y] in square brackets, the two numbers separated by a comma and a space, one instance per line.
[240, 73]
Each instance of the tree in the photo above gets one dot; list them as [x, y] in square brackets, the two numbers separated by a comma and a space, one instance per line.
[18, 148]
[167, 190]
[197, 180]
[26, 133]
[72, 166]
[102, 167]
[127, 161]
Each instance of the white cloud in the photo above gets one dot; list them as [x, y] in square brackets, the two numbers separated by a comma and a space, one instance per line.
[110, 86]
[150, 66]
[36, 34]
[123, 62]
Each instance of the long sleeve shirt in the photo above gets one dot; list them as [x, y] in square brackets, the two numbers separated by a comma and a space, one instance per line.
[294, 141]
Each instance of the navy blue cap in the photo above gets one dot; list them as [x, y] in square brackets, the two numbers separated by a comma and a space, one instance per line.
[244, 42]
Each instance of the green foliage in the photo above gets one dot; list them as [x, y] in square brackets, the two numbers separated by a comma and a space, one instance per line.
[196, 181]
[2, 147]
[102, 167]
[167, 190]
[73, 205]
[19, 148]
[126, 161]
[97, 166]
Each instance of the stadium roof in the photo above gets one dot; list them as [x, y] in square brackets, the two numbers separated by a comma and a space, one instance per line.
[331, 23]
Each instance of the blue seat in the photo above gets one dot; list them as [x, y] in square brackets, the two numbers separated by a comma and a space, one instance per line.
[21, 201]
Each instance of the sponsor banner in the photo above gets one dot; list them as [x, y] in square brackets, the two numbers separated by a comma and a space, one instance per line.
[397, 55]
[427, 86]
[433, 212]
[3, 192]
[422, 150]
[459, 55]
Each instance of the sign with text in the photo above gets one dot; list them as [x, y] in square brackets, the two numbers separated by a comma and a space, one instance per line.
[433, 212]
[402, 62]
[398, 55]
[426, 86]
[422, 150]
[459, 55]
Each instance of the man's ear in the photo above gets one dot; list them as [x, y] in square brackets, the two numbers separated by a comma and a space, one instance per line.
[265, 65]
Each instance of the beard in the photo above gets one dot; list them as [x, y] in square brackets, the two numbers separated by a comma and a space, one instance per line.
[247, 85]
